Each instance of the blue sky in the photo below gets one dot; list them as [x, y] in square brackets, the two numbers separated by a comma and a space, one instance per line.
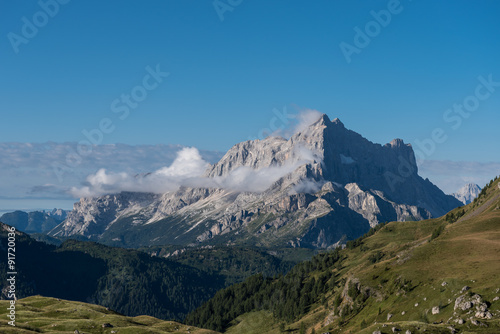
[227, 76]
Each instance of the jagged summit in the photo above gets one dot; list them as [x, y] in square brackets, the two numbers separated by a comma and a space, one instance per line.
[325, 119]
[337, 121]
[467, 193]
[397, 143]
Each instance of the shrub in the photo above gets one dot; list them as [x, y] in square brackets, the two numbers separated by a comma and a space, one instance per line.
[437, 232]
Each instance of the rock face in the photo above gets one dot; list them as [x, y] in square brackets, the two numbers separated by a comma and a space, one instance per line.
[467, 193]
[323, 185]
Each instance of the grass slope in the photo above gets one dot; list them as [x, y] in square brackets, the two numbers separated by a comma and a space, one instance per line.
[391, 279]
[38, 314]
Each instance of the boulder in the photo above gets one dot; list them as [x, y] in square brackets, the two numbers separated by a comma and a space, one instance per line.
[466, 302]
[483, 315]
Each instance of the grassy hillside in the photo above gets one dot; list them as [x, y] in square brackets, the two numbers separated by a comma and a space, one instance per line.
[49, 315]
[406, 275]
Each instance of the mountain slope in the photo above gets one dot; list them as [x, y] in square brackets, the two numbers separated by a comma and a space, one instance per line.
[235, 264]
[440, 275]
[324, 184]
[49, 315]
[467, 193]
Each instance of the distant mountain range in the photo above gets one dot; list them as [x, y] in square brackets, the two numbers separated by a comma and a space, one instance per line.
[467, 193]
[323, 185]
[35, 221]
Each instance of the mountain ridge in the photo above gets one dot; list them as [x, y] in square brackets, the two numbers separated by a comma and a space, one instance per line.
[34, 221]
[323, 184]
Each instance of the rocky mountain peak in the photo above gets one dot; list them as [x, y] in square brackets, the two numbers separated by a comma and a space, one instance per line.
[322, 183]
[398, 143]
[337, 121]
[467, 193]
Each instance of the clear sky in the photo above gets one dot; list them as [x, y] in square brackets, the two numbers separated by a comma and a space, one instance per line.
[232, 63]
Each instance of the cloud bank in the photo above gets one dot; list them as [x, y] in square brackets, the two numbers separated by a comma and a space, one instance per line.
[187, 165]
[27, 172]
[188, 170]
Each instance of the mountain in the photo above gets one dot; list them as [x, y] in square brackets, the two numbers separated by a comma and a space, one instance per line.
[35, 221]
[323, 185]
[436, 276]
[467, 193]
[51, 315]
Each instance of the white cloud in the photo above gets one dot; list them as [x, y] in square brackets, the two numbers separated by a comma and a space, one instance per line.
[305, 118]
[187, 170]
[187, 165]
[27, 169]
[258, 180]
[301, 122]
[307, 186]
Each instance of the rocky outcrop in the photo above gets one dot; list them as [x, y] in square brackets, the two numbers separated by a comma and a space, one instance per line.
[91, 216]
[473, 303]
